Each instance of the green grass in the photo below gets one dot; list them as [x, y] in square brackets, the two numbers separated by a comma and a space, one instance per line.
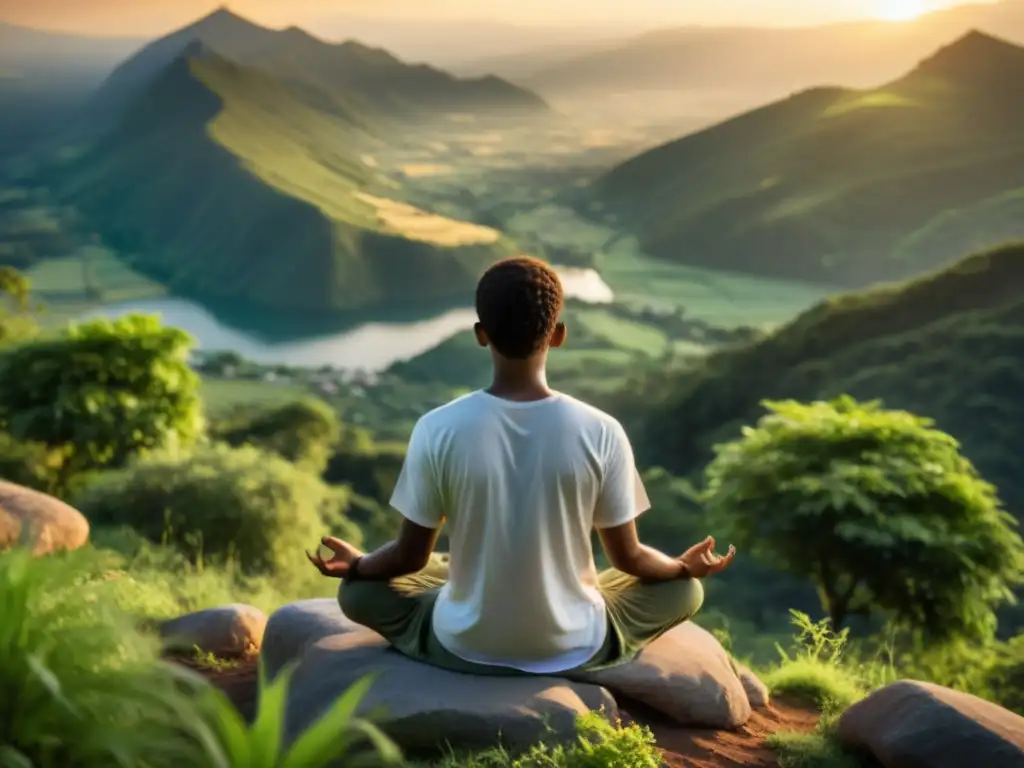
[599, 745]
[222, 395]
[810, 750]
[623, 334]
[721, 298]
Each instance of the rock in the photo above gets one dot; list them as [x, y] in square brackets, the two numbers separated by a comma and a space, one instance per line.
[47, 524]
[757, 692]
[924, 725]
[425, 707]
[297, 626]
[685, 674]
[231, 631]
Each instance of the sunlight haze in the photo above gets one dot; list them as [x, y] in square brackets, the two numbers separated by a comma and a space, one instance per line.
[126, 17]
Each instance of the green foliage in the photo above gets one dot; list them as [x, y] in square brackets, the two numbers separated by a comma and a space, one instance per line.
[877, 508]
[598, 745]
[817, 672]
[228, 742]
[304, 432]
[220, 502]
[78, 685]
[102, 392]
[810, 750]
[1002, 676]
[28, 464]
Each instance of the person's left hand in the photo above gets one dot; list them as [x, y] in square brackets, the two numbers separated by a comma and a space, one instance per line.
[338, 564]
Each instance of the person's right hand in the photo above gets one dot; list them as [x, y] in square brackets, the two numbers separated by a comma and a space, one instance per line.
[701, 561]
[344, 554]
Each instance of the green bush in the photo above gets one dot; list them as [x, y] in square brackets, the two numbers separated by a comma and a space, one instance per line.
[877, 508]
[304, 432]
[81, 686]
[224, 503]
[78, 685]
[598, 745]
[28, 464]
[102, 392]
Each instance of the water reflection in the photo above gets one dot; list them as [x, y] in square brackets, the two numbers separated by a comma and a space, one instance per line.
[370, 346]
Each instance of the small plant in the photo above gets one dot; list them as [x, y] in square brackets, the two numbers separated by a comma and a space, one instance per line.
[227, 742]
[816, 672]
[599, 744]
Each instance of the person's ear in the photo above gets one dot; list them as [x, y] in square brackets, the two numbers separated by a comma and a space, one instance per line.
[558, 335]
[481, 335]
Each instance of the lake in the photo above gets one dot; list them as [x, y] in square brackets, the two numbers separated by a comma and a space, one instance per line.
[371, 347]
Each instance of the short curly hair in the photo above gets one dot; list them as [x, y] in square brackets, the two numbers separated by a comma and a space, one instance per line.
[519, 301]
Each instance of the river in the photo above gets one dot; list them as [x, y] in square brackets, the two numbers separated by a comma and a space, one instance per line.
[371, 347]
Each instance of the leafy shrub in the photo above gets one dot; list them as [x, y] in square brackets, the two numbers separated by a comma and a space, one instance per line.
[304, 432]
[226, 503]
[599, 745]
[28, 464]
[102, 392]
[877, 508]
[78, 684]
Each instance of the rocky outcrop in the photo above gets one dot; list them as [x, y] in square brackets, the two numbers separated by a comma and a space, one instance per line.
[922, 725]
[43, 523]
[295, 627]
[423, 707]
[229, 632]
[685, 674]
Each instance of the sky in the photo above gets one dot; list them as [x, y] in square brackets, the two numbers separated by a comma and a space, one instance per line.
[148, 17]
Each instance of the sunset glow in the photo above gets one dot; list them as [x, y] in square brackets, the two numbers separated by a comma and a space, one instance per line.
[900, 10]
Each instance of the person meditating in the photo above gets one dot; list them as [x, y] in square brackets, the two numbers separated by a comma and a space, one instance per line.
[521, 475]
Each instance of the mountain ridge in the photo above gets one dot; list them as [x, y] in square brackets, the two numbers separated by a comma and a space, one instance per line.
[320, 68]
[226, 185]
[835, 184]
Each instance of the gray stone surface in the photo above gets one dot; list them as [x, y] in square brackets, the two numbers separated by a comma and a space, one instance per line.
[685, 674]
[295, 627]
[423, 707]
[911, 724]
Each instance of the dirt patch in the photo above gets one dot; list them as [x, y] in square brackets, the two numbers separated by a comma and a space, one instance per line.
[239, 681]
[682, 747]
[742, 748]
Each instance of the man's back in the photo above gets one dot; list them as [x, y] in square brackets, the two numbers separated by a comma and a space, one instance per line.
[522, 485]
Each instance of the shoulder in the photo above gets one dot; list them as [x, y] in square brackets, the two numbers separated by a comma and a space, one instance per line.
[446, 415]
[590, 415]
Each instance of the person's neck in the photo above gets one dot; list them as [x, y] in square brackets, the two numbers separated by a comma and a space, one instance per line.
[519, 380]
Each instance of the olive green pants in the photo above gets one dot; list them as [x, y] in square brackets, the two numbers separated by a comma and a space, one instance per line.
[401, 611]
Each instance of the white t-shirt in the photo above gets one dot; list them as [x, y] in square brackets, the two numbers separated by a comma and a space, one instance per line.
[521, 486]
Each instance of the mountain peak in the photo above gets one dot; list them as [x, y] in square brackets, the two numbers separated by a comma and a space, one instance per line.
[975, 55]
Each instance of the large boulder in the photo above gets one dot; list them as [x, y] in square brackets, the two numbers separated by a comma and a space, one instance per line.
[685, 674]
[911, 724]
[295, 627]
[423, 708]
[229, 632]
[42, 522]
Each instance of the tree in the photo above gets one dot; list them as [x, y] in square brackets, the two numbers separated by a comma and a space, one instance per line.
[221, 502]
[102, 392]
[304, 431]
[879, 509]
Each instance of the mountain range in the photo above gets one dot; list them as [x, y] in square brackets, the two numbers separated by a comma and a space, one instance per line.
[842, 186]
[948, 345]
[764, 62]
[232, 166]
